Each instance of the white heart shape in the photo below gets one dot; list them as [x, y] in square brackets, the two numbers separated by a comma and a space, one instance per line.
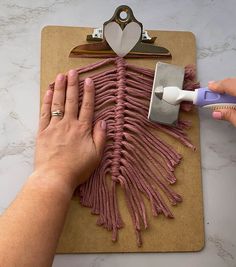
[121, 42]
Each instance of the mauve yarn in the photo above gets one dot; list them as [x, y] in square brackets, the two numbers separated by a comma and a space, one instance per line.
[140, 162]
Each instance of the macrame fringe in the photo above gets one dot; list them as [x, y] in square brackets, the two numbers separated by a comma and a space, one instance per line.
[140, 162]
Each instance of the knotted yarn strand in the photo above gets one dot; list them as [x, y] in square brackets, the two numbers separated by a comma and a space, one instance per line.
[135, 158]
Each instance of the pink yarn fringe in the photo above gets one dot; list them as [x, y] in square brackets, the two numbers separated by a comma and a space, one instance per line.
[122, 99]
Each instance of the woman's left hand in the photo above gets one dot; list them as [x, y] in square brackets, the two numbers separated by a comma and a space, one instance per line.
[67, 147]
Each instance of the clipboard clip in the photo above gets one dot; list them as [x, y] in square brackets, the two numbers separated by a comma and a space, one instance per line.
[97, 45]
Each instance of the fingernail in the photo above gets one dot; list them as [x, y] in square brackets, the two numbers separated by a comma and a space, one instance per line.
[49, 92]
[103, 125]
[60, 77]
[217, 115]
[72, 73]
[88, 81]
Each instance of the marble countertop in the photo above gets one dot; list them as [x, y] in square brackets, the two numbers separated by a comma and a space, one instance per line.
[213, 23]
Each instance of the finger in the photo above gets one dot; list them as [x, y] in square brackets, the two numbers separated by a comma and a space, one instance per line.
[225, 114]
[87, 106]
[72, 95]
[99, 137]
[58, 101]
[45, 114]
[227, 86]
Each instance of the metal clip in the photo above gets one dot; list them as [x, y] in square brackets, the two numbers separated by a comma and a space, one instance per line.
[98, 47]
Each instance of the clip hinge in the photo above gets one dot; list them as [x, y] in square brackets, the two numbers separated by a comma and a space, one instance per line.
[97, 36]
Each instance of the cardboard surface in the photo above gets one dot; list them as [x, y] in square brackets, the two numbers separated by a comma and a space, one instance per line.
[186, 231]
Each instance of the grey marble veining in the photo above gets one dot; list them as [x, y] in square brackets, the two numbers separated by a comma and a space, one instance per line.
[212, 22]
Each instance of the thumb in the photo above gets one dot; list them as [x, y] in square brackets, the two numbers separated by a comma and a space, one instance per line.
[99, 136]
[225, 114]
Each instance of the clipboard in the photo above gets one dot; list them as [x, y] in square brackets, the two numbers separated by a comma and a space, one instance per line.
[186, 231]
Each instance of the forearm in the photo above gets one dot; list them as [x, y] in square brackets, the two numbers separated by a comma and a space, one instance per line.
[31, 226]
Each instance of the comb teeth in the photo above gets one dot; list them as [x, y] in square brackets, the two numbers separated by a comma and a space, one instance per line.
[233, 106]
[221, 106]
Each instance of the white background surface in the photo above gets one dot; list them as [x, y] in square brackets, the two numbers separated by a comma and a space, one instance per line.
[213, 23]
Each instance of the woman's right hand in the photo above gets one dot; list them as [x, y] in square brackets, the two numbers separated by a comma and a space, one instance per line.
[227, 86]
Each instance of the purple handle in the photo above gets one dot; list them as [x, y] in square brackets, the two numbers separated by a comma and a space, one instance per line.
[207, 97]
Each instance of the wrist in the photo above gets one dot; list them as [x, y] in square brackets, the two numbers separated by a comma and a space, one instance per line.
[52, 181]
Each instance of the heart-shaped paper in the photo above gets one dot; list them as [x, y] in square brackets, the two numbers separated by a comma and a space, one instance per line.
[121, 42]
